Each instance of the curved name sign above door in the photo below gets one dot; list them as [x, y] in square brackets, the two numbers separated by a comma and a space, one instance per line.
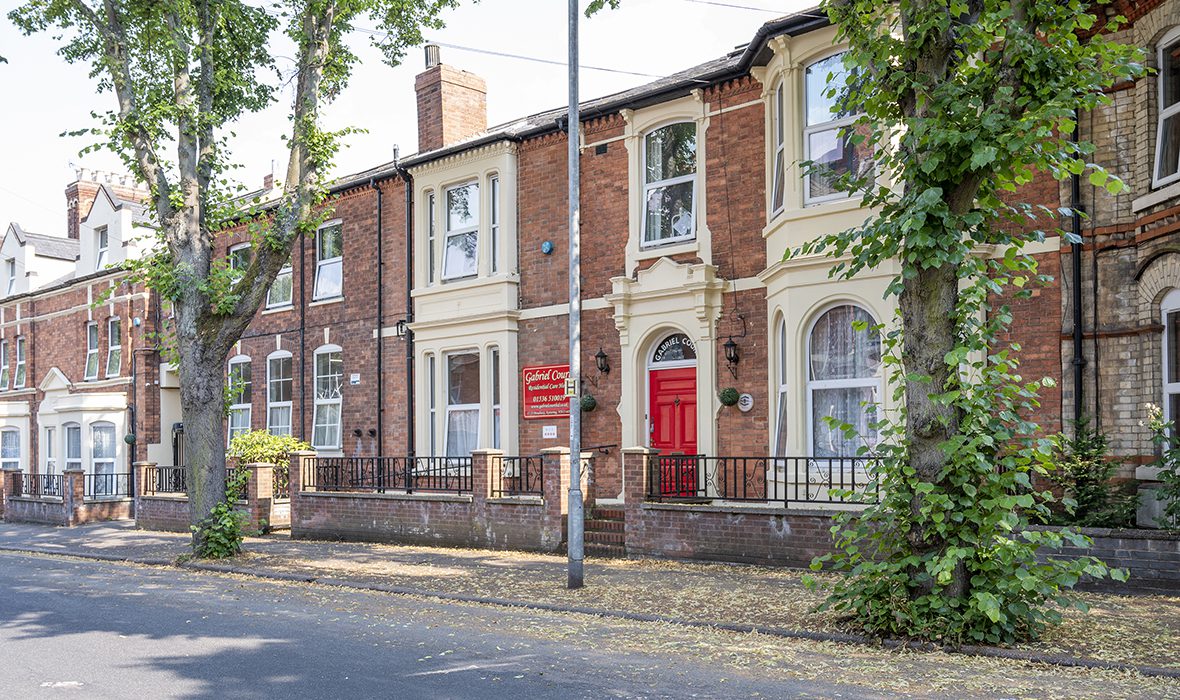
[675, 348]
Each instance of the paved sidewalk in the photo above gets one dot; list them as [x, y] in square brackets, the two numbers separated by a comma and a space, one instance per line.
[1137, 630]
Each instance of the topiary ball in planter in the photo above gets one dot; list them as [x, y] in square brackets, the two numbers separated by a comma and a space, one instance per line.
[589, 403]
[729, 396]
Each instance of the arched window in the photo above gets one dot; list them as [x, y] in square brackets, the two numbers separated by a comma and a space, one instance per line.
[10, 449]
[778, 141]
[843, 380]
[780, 379]
[329, 384]
[1167, 143]
[278, 393]
[1170, 315]
[823, 143]
[240, 396]
[669, 184]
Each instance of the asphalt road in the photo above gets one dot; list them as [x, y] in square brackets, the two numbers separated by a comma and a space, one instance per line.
[83, 629]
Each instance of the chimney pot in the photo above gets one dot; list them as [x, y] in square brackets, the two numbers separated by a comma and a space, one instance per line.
[432, 55]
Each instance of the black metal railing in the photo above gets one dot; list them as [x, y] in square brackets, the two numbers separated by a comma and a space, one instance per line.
[281, 484]
[40, 485]
[166, 480]
[381, 474]
[517, 476]
[762, 479]
[231, 474]
[97, 486]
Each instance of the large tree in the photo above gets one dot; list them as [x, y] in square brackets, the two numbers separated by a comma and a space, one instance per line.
[962, 102]
[182, 72]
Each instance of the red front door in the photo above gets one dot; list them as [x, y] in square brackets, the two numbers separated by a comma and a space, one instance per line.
[673, 417]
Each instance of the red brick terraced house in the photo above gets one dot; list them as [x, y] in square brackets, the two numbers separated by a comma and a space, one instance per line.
[428, 316]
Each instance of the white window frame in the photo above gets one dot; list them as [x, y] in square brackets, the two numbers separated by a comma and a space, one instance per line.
[780, 373]
[460, 407]
[432, 392]
[448, 234]
[431, 238]
[19, 375]
[271, 405]
[645, 244]
[10, 461]
[778, 141]
[4, 373]
[230, 255]
[114, 351]
[321, 264]
[75, 430]
[101, 248]
[832, 124]
[494, 370]
[494, 222]
[10, 271]
[813, 385]
[1169, 304]
[50, 449]
[318, 402]
[288, 272]
[241, 409]
[95, 461]
[1172, 37]
[91, 351]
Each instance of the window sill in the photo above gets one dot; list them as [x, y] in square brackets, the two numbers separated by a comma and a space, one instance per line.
[465, 283]
[21, 391]
[811, 211]
[104, 382]
[278, 309]
[325, 302]
[1155, 197]
[664, 251]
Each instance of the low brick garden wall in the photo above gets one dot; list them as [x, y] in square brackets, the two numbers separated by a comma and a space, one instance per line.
[170, 511]
[70, 508]
[475, 519]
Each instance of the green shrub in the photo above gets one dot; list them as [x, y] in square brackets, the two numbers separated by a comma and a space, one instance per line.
[220, 535]
[1084, 471]
[260, 447]
[1163, 435]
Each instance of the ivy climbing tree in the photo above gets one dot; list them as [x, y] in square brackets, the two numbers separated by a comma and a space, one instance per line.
[961, 103]
[181, 73]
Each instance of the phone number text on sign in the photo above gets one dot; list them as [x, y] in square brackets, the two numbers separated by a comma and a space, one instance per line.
[544, 391]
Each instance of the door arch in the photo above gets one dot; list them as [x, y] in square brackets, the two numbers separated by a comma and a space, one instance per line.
[672, 412]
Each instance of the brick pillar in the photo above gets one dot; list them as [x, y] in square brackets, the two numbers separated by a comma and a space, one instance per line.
[484, 465]
[259, 494]
[636, 472]
[142, 470]
[302, 475]
[8, 487]
[555, 484]
[73, 487]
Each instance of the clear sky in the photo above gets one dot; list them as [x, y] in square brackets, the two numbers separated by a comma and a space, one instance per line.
[46, 96]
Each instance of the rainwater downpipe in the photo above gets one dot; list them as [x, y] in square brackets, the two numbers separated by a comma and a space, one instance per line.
[1075, 205]
[409, 317]
[380, 323]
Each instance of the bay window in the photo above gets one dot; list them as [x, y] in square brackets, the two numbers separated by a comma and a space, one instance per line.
[494, 363]
[844, 380]
[114, 347]
[780, 379]
[778, 191]
[10, 449]
[825, 145]
[329, 380]
[432, 386]
[669, 184]
[91, 351]
[494, 186]
[239, 396]
[1167, 146]
[50, 450]
[278, 394]
[462, 426]
[430, 237]
[329, 262]
[461, 248]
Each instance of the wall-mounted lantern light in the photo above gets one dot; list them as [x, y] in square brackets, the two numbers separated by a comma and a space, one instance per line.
[732, 356]
[602, 364]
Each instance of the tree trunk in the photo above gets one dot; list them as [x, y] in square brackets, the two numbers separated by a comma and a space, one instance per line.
[928, 304]
[202, 404]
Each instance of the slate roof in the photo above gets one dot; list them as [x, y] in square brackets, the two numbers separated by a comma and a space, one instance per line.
[57, 247]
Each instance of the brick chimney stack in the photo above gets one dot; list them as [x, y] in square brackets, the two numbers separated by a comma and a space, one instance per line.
[81, 193]
[452, 103]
